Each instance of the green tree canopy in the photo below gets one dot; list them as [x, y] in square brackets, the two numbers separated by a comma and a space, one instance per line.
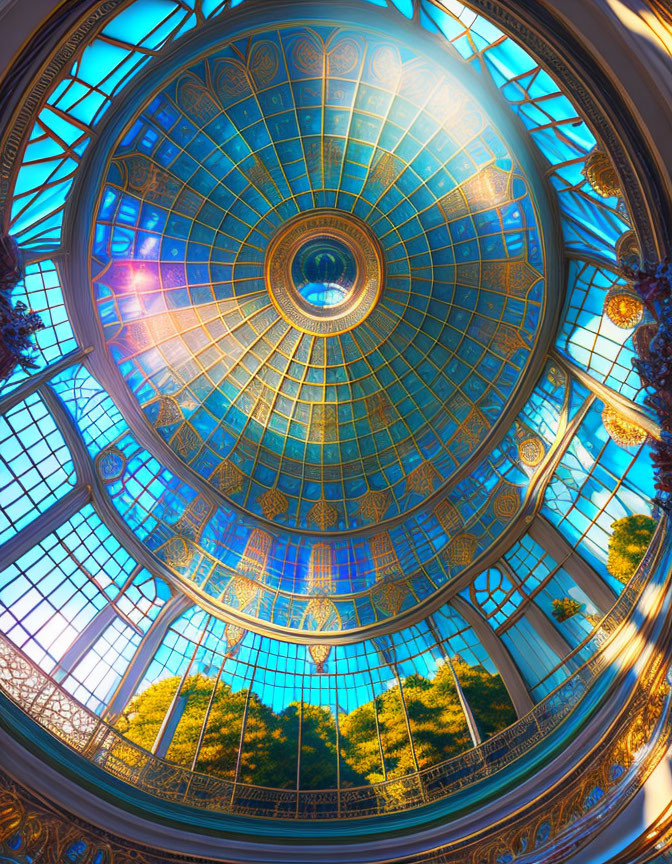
[373, 739]
[628, 543]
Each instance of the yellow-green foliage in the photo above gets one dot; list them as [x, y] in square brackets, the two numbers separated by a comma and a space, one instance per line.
[565, 608]
[628, 543]
[270, 741]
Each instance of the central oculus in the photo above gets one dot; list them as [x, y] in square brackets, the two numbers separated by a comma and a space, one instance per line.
[324, 271]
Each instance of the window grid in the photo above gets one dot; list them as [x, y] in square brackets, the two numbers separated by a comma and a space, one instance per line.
[589, 337]
[50, 594]
[596, 483]
[40, 290]
[35, 465]
[94, 679]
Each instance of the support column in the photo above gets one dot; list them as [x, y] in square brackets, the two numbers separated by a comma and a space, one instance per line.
[513, 680]
[625, 407]
[176, 606]
[87, 638]
[546, 630]
[174, 713]
[380, 740]
[464, 704]
[84, 641]
[538, 619]
[564, 554]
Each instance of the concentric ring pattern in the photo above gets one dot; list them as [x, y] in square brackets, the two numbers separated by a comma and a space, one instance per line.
[318, 433]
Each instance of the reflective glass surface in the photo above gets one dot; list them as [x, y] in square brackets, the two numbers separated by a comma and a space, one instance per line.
[324, 271]
[322, 432]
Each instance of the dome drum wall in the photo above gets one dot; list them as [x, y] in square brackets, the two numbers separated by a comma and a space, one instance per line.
[509, 790]
[361, 432]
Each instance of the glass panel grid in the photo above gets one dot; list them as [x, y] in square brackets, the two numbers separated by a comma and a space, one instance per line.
[35, 465]
[52, 592]
[41, 291]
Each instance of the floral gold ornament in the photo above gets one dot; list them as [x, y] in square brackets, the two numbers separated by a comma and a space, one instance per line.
[193, 519]
[389, 596]
[321, 610]
[460, 551]
[622, 431]
[323, 423]
[227, 477]
[233, 634]
[531, 451]
[177, 552]
[641, 339]
[324, 157]
[244, 591]
[623, 308]
[489, 188]
[628, 254]
[373, 505]
[514, 278]
[472, 430]
[379, 410]
[187, 441]
[322, 514]
[506, 503]
[320, 654]
[448, 517]
[385, 171]
[601, 174]
[507, 340]
[422, 479]
[196, 100]
[556, 376]
[169, 412]
[259, 176]
[273, 503]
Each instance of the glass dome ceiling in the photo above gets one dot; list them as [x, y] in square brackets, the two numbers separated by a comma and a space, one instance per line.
[340, 478]
[327, 426]
[289, 121]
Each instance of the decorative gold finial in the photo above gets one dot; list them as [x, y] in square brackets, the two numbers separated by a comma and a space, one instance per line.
[622, 431]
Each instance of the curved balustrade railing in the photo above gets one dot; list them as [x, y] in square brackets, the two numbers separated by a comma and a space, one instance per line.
[53, 708]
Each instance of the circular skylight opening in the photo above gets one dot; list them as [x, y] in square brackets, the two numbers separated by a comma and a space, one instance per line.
[324, 271]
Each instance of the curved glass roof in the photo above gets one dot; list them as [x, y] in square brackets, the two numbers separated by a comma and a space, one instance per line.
[301, 432]
[313, 510]
[277, 123]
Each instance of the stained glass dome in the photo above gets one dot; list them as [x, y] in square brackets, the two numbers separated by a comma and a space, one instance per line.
[318, 265]
[293, 121]
[317, 486]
